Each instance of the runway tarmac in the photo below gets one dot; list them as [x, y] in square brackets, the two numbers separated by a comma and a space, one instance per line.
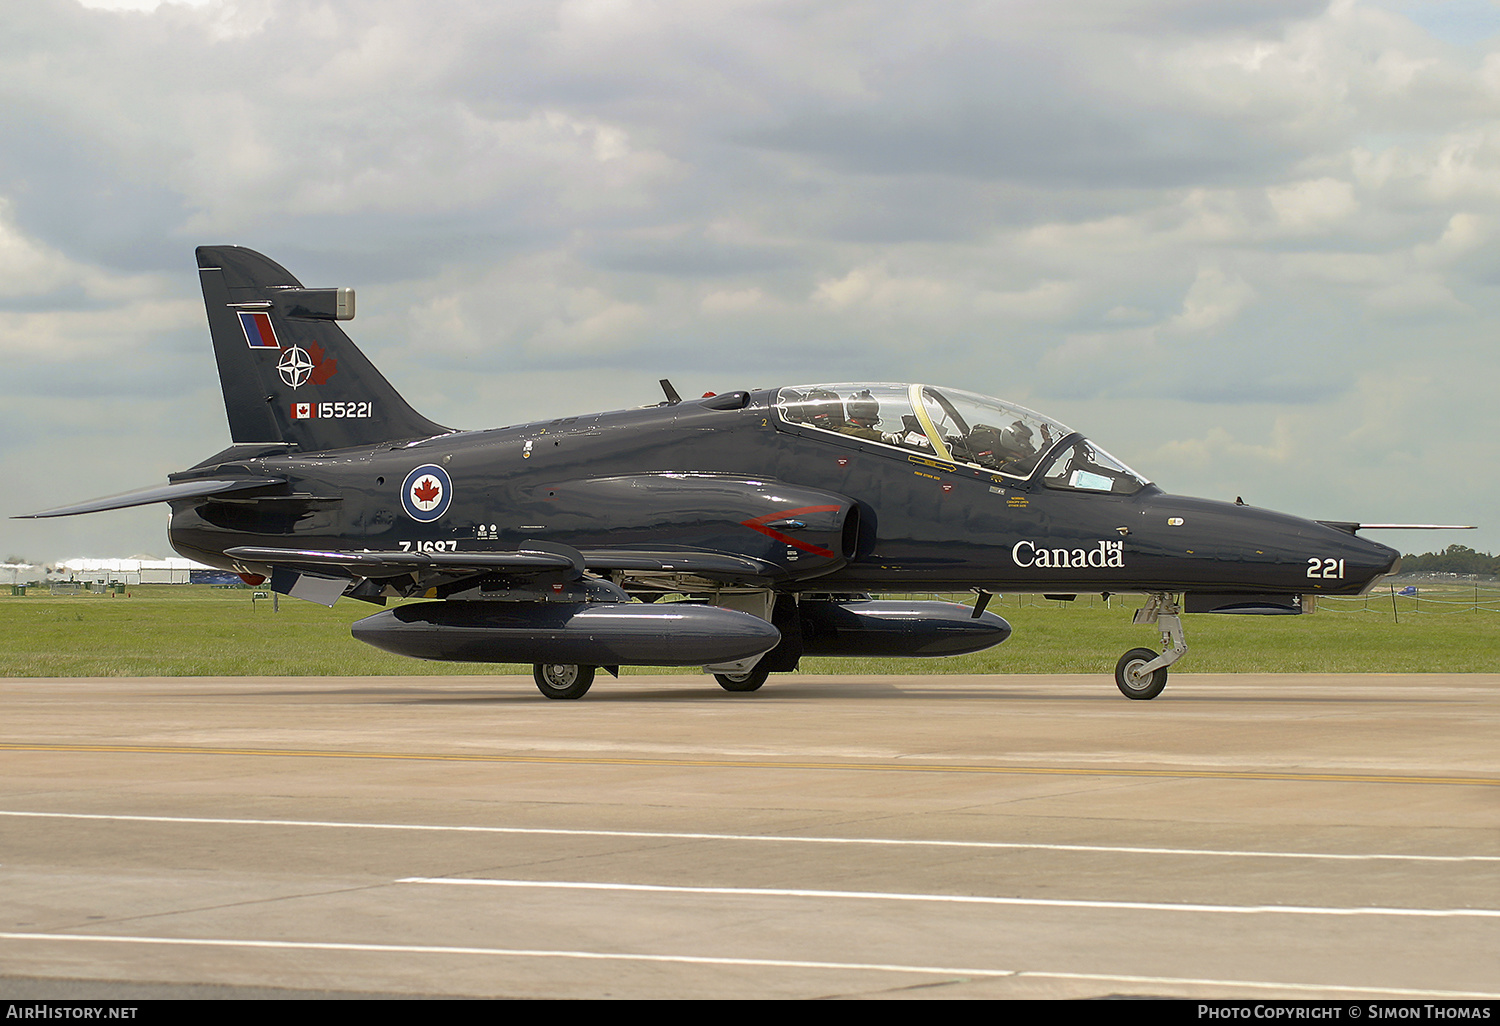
[1255, 836]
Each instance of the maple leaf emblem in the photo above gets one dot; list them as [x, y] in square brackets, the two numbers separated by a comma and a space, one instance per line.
[426, 491]
[322, 369]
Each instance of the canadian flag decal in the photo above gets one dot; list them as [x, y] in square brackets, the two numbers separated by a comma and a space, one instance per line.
[304, 411]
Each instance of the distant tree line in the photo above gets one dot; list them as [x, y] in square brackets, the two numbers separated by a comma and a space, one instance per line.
[1455, 559]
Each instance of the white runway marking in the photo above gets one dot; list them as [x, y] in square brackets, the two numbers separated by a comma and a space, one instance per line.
[966, 899]
[773, 963]
[775, 838]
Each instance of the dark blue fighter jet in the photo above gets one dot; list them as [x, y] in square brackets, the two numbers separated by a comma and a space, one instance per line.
[738, 532]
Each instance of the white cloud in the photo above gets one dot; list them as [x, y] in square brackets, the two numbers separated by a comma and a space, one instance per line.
[1044, 301]
[875, 288]
[27, 267]
[78, 335]
[1312, 206]
[139, 5]
[1214, 300]
[66, 311]
[1219, 449]
[732, 301]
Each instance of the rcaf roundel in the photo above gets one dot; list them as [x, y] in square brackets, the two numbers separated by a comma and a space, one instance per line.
[426, 492]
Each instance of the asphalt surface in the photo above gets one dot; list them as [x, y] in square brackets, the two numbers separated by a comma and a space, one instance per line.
[1258, 836]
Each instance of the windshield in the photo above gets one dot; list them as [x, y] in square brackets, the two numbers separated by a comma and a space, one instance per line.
[1084, 467]
[948, 423]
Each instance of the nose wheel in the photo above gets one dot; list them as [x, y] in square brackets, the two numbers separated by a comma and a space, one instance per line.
[1141, 673]
[1132, 678]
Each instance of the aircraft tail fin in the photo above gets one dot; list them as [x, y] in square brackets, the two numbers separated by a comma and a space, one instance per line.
[288, 371]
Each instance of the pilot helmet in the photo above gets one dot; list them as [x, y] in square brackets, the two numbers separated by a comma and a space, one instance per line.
[862, 409]
[985, 438]
[825, 409]
[1017, 438]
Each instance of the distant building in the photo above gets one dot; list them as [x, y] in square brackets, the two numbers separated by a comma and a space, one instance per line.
[129, 571]
[21, 573]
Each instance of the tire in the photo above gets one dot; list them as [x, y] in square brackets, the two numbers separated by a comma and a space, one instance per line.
[750, 681]
[562, 680]
[1141, 689]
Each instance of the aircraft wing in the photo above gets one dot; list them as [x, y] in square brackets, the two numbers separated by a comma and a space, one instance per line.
[529, 559]
[394, 564]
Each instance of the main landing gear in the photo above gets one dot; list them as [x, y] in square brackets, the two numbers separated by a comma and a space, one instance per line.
[562, 680]
[750, 680]
[1141, 673]
[569, 680]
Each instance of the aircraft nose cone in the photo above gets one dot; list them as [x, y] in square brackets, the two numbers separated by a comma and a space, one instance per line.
[1371, 560]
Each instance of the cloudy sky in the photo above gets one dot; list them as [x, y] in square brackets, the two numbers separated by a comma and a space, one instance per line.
[1252, 247]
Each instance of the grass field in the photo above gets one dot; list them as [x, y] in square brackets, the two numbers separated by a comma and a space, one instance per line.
[189, 630]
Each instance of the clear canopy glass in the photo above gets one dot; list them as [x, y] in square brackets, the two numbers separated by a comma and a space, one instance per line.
[1082, 466]
[959, 427]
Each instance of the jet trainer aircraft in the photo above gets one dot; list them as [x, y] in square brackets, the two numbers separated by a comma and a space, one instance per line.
[738, 532]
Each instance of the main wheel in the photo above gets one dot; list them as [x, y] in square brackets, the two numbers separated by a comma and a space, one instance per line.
[750, 681]
[563, 680]
[1129, 680]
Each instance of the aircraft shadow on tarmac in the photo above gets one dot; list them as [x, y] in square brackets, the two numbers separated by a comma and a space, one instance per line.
[695, 690]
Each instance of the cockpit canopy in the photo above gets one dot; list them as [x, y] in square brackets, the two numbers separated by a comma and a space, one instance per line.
[959, 427]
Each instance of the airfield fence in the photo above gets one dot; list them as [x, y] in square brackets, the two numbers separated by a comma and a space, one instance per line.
[1475, 598]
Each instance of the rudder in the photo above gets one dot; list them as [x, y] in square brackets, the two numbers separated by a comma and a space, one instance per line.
[288, 371]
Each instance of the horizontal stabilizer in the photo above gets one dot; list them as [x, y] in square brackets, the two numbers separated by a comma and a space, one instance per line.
[161, 493]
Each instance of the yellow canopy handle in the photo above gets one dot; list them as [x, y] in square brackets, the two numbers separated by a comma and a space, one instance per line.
[914, 393]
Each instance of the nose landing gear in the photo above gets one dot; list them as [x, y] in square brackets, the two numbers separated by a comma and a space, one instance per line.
[1141, 674]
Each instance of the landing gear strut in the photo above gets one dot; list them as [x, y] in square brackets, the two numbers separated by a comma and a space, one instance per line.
[1141, 674]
